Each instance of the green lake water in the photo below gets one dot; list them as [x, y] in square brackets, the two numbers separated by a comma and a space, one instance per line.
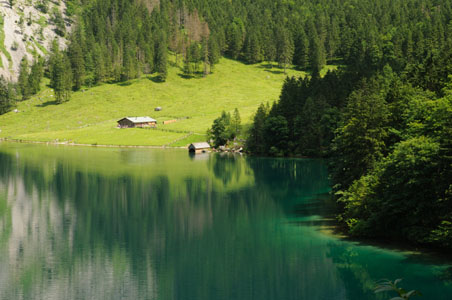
[112, 223]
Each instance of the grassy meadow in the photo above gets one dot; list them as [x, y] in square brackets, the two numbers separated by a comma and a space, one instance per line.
[91, 114]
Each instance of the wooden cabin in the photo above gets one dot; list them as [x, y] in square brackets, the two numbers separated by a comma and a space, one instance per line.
[131, 122]
[199, 147]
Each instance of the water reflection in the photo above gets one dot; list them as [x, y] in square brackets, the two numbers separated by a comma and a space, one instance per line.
[83, 223]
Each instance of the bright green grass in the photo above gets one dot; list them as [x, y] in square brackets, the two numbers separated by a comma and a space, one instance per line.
[90, 117]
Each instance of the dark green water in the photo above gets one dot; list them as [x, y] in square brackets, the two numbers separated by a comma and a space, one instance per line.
[87, 223]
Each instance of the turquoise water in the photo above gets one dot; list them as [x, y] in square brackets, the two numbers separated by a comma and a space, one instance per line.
[107, 223]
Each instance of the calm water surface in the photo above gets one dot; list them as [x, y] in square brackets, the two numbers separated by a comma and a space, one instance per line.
[87, 223]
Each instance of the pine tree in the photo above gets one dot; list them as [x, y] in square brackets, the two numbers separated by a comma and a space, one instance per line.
[161, 60]
[214, 51]
[301, 55]
[127, 65]
[253, 51]
[149, 58]
[236, 122]
[99, 64]
[61, 77]
[285, 49]
[270, 49]
[67, 77]
[317, 56]
[188, 67]
[6, 96]
[34, 80]
[235, 35]
[78, 64]
[23, 79]
[195, 55]
[205, 55]
[256, 139]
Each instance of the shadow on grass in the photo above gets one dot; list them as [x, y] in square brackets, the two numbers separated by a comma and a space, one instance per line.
[45, 104]
[197, 75]
[124, 83]
[266, 66]
[156, 79]
[277, 72]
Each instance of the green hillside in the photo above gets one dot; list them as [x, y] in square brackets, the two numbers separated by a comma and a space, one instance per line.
[90, 116]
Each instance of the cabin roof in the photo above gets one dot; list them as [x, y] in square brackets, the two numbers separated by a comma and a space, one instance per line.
[139, 119]
[201, 145]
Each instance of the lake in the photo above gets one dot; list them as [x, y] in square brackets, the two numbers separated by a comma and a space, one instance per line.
[118, 223]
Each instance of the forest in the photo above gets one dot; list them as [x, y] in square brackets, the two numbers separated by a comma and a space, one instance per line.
[383, 118]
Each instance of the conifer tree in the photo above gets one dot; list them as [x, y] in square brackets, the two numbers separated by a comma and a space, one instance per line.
[23, 79]
[256, 139]
[235, 35]
[286, 49]
[6, 96]
[301, 54]
[214, 51]
[161, 60]
[205, 55]
[236, 122]
[188, 67]
[34, 80]
[78, 64]
[99, 64]
[269, 49]
[61, 77]
[317, 56]
[253, 51]
[195, 55]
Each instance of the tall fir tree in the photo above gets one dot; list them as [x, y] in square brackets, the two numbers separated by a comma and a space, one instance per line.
[22, 81]
[161, 60]
[77, 63]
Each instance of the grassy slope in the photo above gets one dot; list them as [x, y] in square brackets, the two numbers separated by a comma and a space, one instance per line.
[90, 117]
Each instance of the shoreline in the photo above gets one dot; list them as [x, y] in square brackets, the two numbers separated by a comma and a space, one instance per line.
[428, 252]
[20, 141]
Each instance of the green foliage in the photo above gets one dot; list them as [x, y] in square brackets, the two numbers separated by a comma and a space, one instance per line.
[75, 54]
[224, 128]
[285, 48]
[360, 141]
[255, 142]
[377, 118]
[389, 286]
[29, 81]
[22, 81]
[61, 76]
[35, 77]
[236, 122]
[276, 135]
[407, 193]
[6, 96]
[160, 63]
